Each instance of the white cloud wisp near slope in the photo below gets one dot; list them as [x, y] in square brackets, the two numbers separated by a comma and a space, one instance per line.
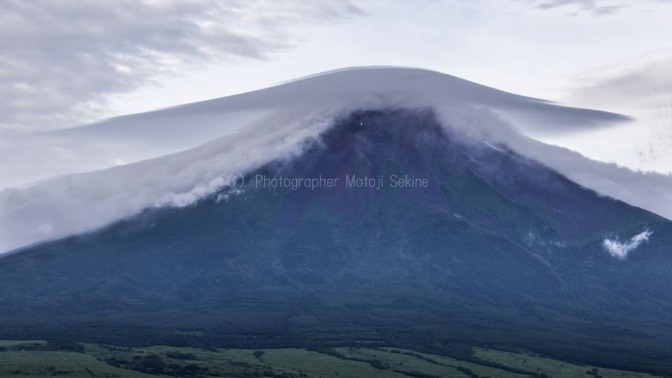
[620, 250]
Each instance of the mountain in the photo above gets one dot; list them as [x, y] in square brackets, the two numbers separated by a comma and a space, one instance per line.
[390, 227]
[175, 156]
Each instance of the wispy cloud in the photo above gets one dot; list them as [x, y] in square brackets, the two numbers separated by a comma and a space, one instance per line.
[640, 89]
[594, 7]
[631, 85]
[60, 59]
[620, 250]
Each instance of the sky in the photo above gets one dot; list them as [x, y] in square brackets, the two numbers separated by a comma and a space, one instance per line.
[66, 63]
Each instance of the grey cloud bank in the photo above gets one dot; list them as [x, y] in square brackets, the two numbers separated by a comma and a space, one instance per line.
[595, 7]
[61, 59]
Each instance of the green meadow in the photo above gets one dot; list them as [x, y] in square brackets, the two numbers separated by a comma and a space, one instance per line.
[37, 358]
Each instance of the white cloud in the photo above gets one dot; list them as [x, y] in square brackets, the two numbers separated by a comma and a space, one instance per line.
[62, 59]
[620, 250]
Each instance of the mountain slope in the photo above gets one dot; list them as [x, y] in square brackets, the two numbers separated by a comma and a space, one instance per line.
[495, 250]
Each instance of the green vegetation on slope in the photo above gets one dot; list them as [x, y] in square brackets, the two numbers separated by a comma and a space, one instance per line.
[47, 359]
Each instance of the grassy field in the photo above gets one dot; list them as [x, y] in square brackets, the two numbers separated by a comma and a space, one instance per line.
[548, 366]
[35, 358]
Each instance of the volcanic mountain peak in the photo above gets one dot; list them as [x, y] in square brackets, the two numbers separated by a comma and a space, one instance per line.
[188, 152]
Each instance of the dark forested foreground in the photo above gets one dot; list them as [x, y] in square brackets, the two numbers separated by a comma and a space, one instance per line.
[48, 359]
[494, 251]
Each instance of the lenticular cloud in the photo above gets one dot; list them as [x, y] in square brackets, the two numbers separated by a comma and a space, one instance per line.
[240, 133]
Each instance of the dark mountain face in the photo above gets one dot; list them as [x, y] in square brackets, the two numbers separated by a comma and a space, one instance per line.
[454, 242]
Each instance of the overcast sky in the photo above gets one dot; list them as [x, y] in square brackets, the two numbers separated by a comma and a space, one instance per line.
[69, 62]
